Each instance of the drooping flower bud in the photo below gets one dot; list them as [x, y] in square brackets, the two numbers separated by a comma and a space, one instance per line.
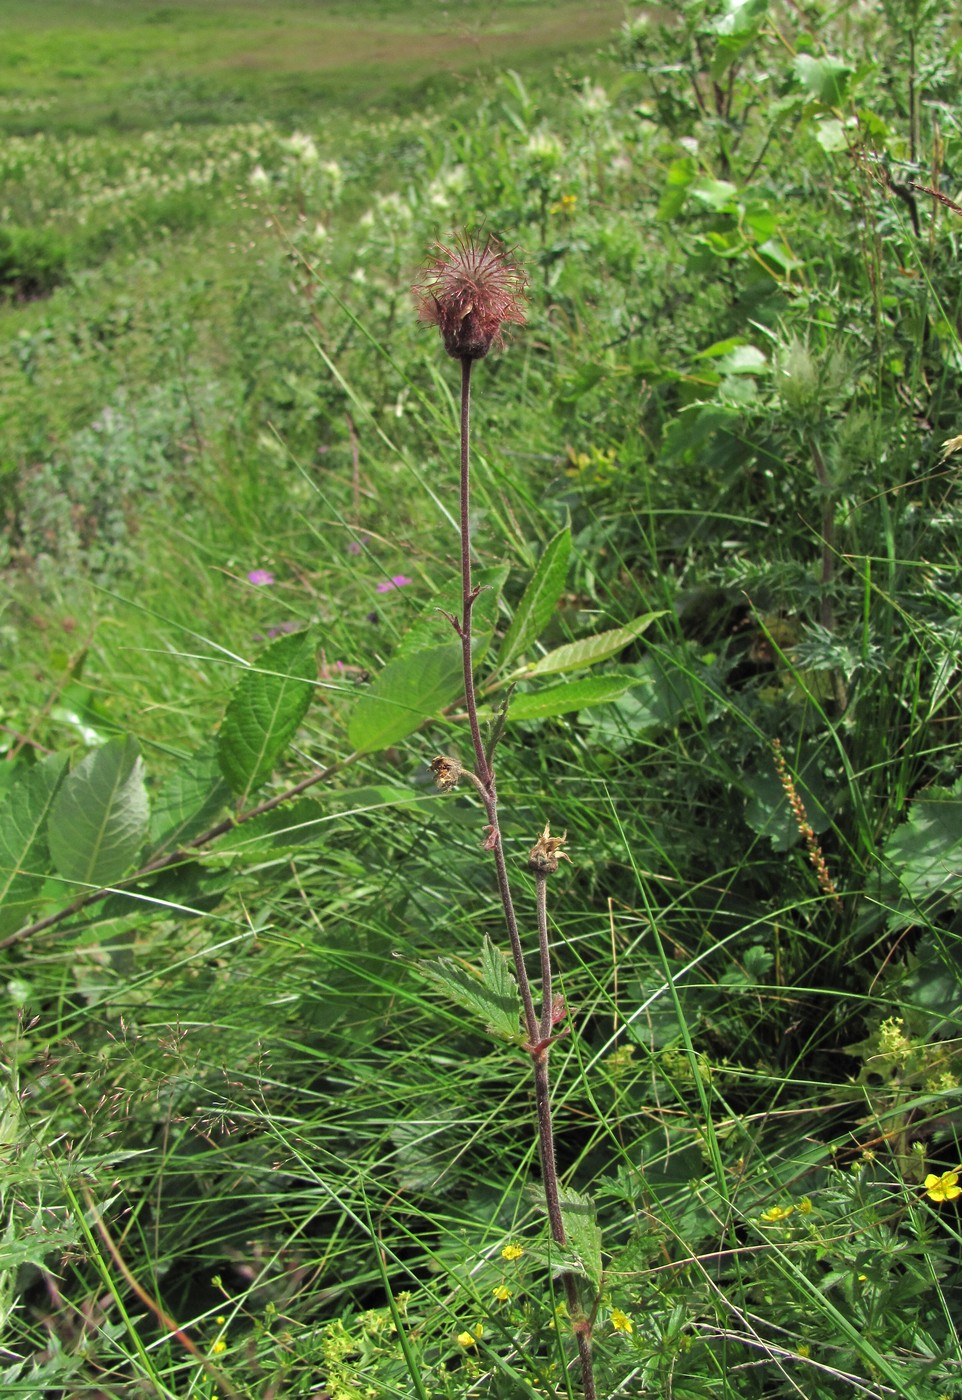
[469, 292]
[447, 772]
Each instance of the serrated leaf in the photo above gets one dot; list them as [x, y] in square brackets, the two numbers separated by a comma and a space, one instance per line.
[583, 1233]
[569, 696]
[574, 656]
[767, 808]
[540, 598]
[264, 713]
[100, 815]
[24, 851]
[926, 852]
[418, 683]
[432, 628]
[491, 993]
[190, 801]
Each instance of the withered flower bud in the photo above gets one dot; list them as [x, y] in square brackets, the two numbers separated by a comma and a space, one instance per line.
[447, 772]
[469, 292]
[546, 852]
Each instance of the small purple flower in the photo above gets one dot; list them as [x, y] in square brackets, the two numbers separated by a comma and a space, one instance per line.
[398, 581]
[355, 546]
[371, 617]
[260, 578]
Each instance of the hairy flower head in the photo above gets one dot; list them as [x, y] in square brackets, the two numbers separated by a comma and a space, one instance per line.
[469, 291]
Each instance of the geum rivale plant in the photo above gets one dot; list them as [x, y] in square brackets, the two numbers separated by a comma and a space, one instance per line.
[470, 291]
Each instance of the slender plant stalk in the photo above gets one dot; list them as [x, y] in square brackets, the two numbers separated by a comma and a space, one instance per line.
[539, 1031]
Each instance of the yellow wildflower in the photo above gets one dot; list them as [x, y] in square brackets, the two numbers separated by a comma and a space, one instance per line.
[220, 1320]
[804, 1350]
[501, 1293]
[805, 1205]
[466, 1339]
[620, 1321]
[511, 1252]
[776, 1214]
[943, 1188]
[219, 1347]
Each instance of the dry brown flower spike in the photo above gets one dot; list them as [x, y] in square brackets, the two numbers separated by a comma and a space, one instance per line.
[469, 291]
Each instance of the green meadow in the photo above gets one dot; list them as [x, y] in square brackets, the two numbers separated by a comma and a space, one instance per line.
[267, 1119]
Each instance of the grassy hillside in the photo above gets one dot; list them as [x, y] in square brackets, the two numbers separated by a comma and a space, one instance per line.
[130, 67]
[258, 1137]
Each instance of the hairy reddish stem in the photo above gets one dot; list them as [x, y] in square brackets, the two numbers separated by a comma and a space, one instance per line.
[539, 1033]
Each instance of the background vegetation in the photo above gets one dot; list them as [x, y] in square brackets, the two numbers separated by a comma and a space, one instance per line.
[248, 1145]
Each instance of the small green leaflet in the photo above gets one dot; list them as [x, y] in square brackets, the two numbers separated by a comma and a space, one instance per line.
[590, 650]
[491, 993]
[24, 853]
[265, 712]
[100, 815]
[540, 598]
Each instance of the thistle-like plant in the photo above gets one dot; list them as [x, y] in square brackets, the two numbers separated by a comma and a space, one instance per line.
[470, 291]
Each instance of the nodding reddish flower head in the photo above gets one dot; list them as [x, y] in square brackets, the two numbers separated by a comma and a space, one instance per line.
[469, 292]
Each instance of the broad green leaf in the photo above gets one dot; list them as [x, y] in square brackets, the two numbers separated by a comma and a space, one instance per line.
[744, 359]
[830, 135]
[721, 347]
[190, 801]
[563, 699]
[265, 712]
[931, 984]
[100, 814]
[713, 194]
[777, 252]
[24, 852]
[407, 692]
[926, 852]
[741, 17]
[491, 993]
[590, 650]
[419, 682]
[767, 809]
[540, 599]
[825, 78]
[681, 174]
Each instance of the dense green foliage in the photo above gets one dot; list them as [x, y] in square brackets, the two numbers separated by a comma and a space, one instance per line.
[255, 1136]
